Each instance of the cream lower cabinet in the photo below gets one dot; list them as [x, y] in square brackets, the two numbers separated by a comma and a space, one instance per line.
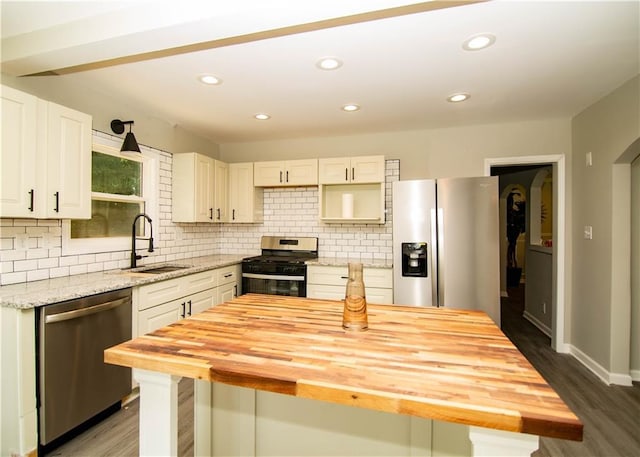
[229, 283]
[330, 282]
[165, 302]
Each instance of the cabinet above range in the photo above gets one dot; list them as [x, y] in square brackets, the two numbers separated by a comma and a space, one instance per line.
[286, 173]
[352, 190]
[341, 170]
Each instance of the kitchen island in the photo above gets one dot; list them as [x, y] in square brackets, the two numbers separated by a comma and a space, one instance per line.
[418, 381]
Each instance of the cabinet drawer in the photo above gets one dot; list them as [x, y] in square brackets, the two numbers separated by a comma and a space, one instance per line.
[172, 289]
[337, 276]
[228, 274]
[374, 295]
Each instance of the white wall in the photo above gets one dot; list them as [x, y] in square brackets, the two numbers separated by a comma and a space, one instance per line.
[148, 129]
[429, 153]
[600, 318]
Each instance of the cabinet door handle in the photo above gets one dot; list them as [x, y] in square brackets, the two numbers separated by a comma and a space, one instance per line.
[287, 175]
[31, 192]
[346, 174]
[57, 207]
[211, 213]
[218, 212]
[228, 275]
[344, 277]
[353, 174]
[281, 176]
[183, 306]
[189, 307]
[233, 214]
[235, 290]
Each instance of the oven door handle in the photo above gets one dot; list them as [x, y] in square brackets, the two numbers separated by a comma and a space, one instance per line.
[276, 277]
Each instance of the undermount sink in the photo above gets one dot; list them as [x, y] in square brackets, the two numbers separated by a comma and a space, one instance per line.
[163, 269]
[154, 270]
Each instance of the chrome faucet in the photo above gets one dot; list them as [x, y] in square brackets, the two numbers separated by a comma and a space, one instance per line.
[134, 256]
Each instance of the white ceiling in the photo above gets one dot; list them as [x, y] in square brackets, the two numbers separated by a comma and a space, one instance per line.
[550, 59]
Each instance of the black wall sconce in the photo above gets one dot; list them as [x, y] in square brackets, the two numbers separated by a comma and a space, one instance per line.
[130, 145]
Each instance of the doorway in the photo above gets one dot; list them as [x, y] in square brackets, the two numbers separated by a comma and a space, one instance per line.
[558, 247]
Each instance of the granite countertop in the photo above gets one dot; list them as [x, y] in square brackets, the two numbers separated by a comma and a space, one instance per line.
[48, 291]
[343, 261]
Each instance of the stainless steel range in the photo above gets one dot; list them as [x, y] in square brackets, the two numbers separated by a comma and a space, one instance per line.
[281, 269]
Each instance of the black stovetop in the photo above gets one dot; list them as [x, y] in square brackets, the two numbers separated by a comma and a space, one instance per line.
[280, 258]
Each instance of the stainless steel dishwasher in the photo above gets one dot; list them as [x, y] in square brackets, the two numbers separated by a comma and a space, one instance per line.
[74, 383]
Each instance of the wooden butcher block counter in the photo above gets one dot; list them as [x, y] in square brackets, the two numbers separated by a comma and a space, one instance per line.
[444, 364]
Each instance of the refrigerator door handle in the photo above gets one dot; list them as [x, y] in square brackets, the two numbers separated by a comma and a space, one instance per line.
[441, 257]
[433, 258]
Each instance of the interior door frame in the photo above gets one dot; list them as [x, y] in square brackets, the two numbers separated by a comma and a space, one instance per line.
[559, 236]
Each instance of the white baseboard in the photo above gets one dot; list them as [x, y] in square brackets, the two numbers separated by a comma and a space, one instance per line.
[539, 324]
[635, 375]
[620, 379]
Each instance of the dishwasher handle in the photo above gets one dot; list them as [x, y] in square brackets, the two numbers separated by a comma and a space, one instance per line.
[77, 313]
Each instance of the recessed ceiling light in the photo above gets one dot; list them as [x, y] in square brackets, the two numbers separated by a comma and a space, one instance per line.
[350, 107]
[210, 80]
[477, 42]
[329, 63]
[455, 98]
[262, 116]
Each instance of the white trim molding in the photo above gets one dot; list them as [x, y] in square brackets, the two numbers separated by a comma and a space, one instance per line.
[559, 236]
[607, 377]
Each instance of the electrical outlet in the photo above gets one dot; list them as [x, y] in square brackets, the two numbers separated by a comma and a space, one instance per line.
[588, 232]
[588, 159]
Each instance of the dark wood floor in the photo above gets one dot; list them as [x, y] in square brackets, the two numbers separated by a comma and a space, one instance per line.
[611, 414]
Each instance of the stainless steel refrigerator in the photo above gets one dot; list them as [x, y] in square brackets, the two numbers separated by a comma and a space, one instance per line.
[445, 244]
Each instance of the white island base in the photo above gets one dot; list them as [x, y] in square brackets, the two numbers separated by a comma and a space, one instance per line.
[237, 421]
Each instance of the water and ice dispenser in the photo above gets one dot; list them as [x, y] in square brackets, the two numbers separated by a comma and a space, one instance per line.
[414, 259]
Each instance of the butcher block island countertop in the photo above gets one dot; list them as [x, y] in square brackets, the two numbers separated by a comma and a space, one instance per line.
[444, 364]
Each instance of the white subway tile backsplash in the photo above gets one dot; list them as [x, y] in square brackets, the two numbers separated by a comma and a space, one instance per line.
[12, 278]
[37, 275]
[59, 272]
[287, 212]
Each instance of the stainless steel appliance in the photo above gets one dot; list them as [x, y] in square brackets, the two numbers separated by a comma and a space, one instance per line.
[445, 244]
[281, 269]
[74, 383]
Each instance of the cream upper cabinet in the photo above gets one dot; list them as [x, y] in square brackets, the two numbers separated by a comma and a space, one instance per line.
[220, 197]
[68, 163]
[340, 170]
[199, 191]
[18, 154]
[286, 173]
[45, 157]
[352, 190]
[245, 200]
[330, 282]
[192, 188]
